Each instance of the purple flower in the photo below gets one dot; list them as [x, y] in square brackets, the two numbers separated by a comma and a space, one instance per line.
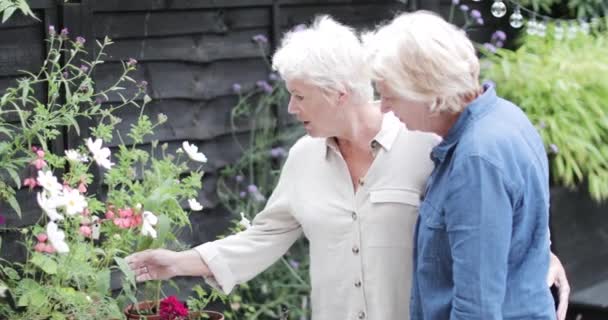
[479, 21]
[143, 84]
[554, 148]
[252, 188]
[65, 32]
[80, 40]
[243, 194]
[2, 219]
[65, 74]
[52, 31]
[542, 124]
[455, 2]
[277, 152]
[84, 68]
[273, 76]
[490, 47]
[131, 62]
[260, 38]
[499, 35]
[299, 27]
[475, 14]
[500, 44]
[294, 263]
[464, 8]
[264, 86]
[236, 88]
[239, 178]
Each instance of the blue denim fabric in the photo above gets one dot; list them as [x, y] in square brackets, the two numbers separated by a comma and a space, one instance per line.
[482, 237]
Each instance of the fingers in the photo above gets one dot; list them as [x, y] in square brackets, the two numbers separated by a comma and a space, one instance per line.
[564, 295]
[138, 260]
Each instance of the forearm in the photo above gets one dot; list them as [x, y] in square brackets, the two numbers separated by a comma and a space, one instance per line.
[190, 263]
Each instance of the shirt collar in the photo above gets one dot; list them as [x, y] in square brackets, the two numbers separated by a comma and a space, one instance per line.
[385, 138]
[473, 111]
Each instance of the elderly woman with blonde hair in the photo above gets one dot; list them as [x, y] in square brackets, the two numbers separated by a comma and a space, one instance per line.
[482, 240]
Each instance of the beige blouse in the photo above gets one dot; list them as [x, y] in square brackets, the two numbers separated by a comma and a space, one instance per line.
[360, 242]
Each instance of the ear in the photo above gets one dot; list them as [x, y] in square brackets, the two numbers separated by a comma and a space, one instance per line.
[342, 97]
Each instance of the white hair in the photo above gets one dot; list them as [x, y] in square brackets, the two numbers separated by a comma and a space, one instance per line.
[326, 54]
[422, 57]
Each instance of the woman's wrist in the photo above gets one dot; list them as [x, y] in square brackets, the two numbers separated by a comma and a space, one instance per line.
[190, 263]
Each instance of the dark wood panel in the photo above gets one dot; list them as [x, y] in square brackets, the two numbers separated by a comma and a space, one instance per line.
[20, 49]
[187, 119]
[192, 48]
[165, 23]
[188, 81]
[349, 14]
[148, 5]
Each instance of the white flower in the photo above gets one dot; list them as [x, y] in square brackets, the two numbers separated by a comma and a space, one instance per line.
[74, 202]
[193, 153]
[148, 223]
[49, 182]
[195, 205]
[73, 155]
[49, 205]
[57, 238]
[245, 223]
[100, 155]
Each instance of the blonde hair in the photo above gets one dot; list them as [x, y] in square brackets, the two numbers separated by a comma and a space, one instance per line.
[422, 57]
[327, 54]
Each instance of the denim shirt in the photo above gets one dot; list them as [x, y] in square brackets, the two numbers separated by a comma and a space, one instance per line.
[482, 238]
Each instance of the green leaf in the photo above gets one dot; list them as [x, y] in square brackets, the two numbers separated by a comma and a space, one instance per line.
[57, 316]
[15, 176]
[103, 282]
[124, 267]
[48, 265]
[8, 13]
[12, 201]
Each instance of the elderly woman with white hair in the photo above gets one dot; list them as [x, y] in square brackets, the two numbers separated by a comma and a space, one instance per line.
[482, 240]
[352, 186]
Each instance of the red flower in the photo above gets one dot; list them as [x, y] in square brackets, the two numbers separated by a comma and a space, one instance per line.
[171, 308]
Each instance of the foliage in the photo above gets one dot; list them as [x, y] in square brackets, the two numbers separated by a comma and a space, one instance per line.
[8, 8]
[80, 238]
[576, 8]
[562, 85]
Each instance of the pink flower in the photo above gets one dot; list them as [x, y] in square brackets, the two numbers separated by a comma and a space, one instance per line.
[40, 153]
[39, 163]
[109, 214]
[123, 223]
[85, 231]
[125, 213]
[49, 249]
[30, 182]
[40, 247]
[82, 187]
[86, 212]
[42, 237]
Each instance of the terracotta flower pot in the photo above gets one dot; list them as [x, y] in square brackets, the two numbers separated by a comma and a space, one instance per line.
[131, 312]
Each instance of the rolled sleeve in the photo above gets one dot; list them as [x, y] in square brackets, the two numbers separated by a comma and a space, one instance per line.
[479, 219]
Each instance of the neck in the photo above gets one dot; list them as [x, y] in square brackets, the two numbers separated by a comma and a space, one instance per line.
[445, 122]
[363, 124]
